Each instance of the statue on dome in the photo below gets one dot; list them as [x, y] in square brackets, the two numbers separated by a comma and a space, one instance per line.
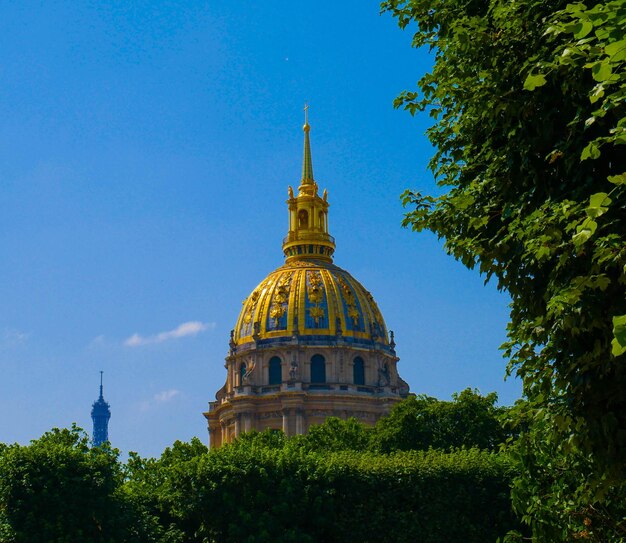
[293, 370]
[384, 379]
[249, 371]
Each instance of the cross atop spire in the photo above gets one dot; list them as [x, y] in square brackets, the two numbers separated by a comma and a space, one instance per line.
[307, 163]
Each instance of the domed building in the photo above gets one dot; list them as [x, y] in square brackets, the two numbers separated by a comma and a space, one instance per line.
[310, 341]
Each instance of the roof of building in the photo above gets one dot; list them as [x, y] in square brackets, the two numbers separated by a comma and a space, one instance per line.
[309, 298]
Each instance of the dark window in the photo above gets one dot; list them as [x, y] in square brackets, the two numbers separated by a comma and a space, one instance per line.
[358, 371]
[318, 369]
[303, 219]
[275, 371]
[242, 372]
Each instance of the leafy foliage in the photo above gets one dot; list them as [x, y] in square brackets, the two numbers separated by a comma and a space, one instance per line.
[335, 435]
[554, 496]
[332, 484]
[530, 120]
[58, 489]
[147, 481]
[422, 422]
[251, 492]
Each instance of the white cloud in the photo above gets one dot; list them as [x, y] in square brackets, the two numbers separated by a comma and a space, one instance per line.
[166, 395]
[98, 341]
[12, 337]
[185, 329]
[159, 398]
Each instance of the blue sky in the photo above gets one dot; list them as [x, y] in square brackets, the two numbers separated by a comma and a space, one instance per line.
[145, 154]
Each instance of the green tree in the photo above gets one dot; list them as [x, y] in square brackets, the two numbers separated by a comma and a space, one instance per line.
[334, 435]
[59, 489]
[422, 422]
[256, 491]
[148, 486]
[530, 119]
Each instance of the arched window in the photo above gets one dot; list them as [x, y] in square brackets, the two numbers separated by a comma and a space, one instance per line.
[242, 373]
[303, 218]
[321, 218]
[275, 371]
[318, 369]
[358, 371]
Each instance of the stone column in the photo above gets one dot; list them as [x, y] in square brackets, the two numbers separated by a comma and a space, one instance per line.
[299, 422]
[286, 422]
[250, 421]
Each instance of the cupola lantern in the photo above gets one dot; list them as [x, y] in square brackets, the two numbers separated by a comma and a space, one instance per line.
[308, 235]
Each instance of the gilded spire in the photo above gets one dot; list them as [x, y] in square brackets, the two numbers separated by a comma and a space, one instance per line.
[308, 235]
[307, 163]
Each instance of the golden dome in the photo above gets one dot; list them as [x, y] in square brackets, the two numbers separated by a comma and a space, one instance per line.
[312, 300]
[309, 298]
[310, 342]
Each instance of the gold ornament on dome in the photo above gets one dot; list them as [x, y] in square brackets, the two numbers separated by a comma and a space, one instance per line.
[377, 315]
[317, 313]
[252, 299]
[279, 308]
[302, 264]
[353, 313]
[316, 295]
[282, 290]
[315, 292]
[277, 313]
[348, 295]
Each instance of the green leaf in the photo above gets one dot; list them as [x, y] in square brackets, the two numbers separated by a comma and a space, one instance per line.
[616, 51]
[462, 202]
[601, 71]
[582, 28]
[585, 231]
[596, 94]
[591, 151]
[543, 252]
[599, 199]
[601, 282]
[598, 204]
[617, 179]
[581, 237]
[479, 222]
[619, 335]
[533, 81]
